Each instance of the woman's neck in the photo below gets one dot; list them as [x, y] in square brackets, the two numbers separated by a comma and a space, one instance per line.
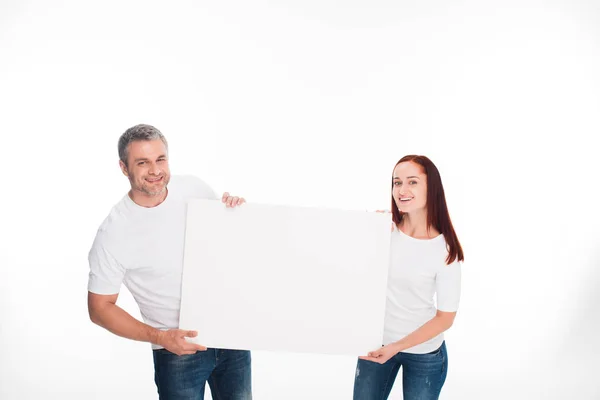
[415, 225]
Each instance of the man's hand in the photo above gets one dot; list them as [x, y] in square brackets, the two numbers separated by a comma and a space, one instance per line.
[232, 201]
[381, 355]
[173, 340]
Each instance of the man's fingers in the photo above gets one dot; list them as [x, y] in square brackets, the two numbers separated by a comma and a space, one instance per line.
[187, 346]
[193, 347]
[191, 333]
[232, 201]
[238, 201]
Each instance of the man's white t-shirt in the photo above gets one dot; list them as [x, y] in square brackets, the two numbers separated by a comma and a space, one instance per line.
[418, 273]
[143, 249]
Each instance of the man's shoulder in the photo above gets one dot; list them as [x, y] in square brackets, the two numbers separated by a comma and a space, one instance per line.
[112, 234]
[115, 222]
[190, 186]
[186, 180]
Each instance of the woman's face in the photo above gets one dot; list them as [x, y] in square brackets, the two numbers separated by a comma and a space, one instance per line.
[409, 187]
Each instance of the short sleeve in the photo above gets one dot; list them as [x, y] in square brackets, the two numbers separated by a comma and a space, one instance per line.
[448, 286]
[106, 274]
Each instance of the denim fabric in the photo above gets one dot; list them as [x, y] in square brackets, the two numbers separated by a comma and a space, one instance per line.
[184, 377]
[423, 376]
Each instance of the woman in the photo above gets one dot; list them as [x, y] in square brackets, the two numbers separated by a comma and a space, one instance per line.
[425, 260]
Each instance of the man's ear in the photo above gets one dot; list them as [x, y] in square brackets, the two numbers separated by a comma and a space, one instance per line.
[124, 168]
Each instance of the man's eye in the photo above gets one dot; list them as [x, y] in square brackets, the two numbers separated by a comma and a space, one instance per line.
[141, 163]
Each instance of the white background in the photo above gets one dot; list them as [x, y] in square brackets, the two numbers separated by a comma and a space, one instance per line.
[309, 103]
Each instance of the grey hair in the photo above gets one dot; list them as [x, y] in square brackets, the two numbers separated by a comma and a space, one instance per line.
[137, 133]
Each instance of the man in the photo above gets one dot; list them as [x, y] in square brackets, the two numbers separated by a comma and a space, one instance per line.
[141, 244]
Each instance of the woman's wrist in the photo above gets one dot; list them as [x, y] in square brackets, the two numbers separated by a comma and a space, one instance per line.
[398, 346]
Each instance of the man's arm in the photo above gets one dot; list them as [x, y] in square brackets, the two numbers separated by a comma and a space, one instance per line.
[104, 312]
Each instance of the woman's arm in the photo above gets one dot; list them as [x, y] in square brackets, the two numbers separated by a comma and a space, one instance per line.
[436, 325]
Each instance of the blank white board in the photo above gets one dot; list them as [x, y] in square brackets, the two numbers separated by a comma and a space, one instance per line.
[283, 278]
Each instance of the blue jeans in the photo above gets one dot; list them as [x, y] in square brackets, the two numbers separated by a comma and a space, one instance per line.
[184, 377]
[423, 376]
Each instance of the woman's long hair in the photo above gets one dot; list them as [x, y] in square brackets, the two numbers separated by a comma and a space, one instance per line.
[437, 210]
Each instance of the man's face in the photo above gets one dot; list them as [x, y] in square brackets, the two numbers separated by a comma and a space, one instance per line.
[147, 167]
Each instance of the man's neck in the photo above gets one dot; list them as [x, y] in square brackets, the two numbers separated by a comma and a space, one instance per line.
[144, 200]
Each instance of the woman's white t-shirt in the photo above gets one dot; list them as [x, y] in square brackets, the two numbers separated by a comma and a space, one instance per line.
[418, 276]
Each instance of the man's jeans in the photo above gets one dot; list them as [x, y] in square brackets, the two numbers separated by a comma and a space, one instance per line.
[184, 377]
[423, 376]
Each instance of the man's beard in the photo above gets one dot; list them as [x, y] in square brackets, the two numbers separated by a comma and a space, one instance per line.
[153, 193]
[144, 188]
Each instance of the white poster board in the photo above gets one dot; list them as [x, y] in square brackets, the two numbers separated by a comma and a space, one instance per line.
[282, 278]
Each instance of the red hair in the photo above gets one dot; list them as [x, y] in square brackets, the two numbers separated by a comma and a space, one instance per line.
[437, 210]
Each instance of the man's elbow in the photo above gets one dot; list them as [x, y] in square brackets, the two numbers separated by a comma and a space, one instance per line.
[98, 305]
[94, 315]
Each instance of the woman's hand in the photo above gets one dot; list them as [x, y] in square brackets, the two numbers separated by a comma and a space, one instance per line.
[382, 355]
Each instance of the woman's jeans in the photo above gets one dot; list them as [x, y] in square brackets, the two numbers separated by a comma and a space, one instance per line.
[423, 376]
